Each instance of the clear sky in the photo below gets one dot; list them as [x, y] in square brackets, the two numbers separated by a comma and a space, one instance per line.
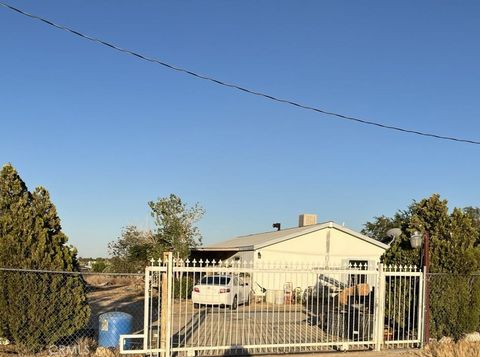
[105, 132]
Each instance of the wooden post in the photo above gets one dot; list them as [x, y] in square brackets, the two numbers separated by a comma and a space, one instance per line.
[148, 295]
[167, 256]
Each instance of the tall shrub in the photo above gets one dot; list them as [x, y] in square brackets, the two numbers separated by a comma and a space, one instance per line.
[454, 253]
[36, 309]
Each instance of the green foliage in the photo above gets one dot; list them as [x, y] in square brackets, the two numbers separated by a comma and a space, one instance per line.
[175, 231]
[130, 252]
[182, 287]
[474, 213]
[454, 254]
[454, 304]
[99, 266]
[36, 309]
[175, 221]
[379, 227]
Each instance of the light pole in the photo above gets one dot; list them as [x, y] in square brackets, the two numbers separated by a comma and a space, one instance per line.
[416, 242]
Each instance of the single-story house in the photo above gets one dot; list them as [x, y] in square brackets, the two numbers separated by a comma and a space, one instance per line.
[325, 245]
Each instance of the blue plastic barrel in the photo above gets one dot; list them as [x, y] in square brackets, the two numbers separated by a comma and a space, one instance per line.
[111, 326]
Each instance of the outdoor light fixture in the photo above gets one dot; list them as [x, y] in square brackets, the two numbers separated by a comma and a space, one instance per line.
[416, 240]
[259, 255]
[422, 241]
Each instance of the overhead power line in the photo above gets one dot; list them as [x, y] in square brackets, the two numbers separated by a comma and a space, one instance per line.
[236, 86]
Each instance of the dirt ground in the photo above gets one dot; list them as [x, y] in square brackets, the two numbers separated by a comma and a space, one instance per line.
[106, 294]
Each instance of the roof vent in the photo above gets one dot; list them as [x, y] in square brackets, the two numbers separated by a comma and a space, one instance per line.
[306, 219]
[277, 225]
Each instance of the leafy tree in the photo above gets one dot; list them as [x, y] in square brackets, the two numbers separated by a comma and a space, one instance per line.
[474, 213]
[131, 250]
[379, 227]
[36, 309]
[176, 229]
[99, 265]
[454, 253]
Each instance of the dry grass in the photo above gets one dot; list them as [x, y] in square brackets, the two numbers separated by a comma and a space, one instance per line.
[447, 349]
[102, 280]
[83, 347]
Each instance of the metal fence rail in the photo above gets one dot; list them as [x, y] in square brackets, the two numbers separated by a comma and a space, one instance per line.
[221, 308]
[233, 307]
[403, 307]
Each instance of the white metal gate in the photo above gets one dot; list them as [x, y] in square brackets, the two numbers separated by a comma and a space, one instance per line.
[219, 308]
[403, 306]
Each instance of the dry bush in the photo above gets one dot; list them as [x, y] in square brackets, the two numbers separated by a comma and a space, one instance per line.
[86, 345]
[109, 352]
[448, 349]
[112, 280]
[82, 347]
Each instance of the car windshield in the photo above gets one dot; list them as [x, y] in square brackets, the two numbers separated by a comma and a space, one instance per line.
[215, 280]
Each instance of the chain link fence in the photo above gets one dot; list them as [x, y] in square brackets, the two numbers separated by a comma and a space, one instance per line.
[454, 305]
[47, 313]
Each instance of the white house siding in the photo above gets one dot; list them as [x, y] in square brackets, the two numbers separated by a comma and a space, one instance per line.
[242, 256]
[326, 248]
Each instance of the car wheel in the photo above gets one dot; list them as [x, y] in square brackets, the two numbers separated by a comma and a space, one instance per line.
[246, 303]
[196, 306]
[234, 303]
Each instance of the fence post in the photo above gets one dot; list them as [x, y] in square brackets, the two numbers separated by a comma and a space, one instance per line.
[146, 327]
[422, 307]
[166, 304]
[380, 309]
[169, 303]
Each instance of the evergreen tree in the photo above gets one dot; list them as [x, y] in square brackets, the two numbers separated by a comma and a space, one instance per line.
[454, 254]
[36, 309]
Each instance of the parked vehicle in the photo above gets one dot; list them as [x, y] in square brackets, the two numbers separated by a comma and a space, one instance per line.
[223, 290]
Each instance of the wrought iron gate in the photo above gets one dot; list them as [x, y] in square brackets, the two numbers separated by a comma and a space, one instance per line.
[218, 308]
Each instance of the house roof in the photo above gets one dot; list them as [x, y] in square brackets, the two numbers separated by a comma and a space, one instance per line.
[261, 240]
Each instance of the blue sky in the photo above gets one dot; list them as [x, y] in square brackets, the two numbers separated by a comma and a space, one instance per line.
[105, 133]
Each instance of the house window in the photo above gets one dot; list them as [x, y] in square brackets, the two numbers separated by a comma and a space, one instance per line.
[355, 279]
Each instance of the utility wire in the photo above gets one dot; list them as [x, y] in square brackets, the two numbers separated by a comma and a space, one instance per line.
[238, 87]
